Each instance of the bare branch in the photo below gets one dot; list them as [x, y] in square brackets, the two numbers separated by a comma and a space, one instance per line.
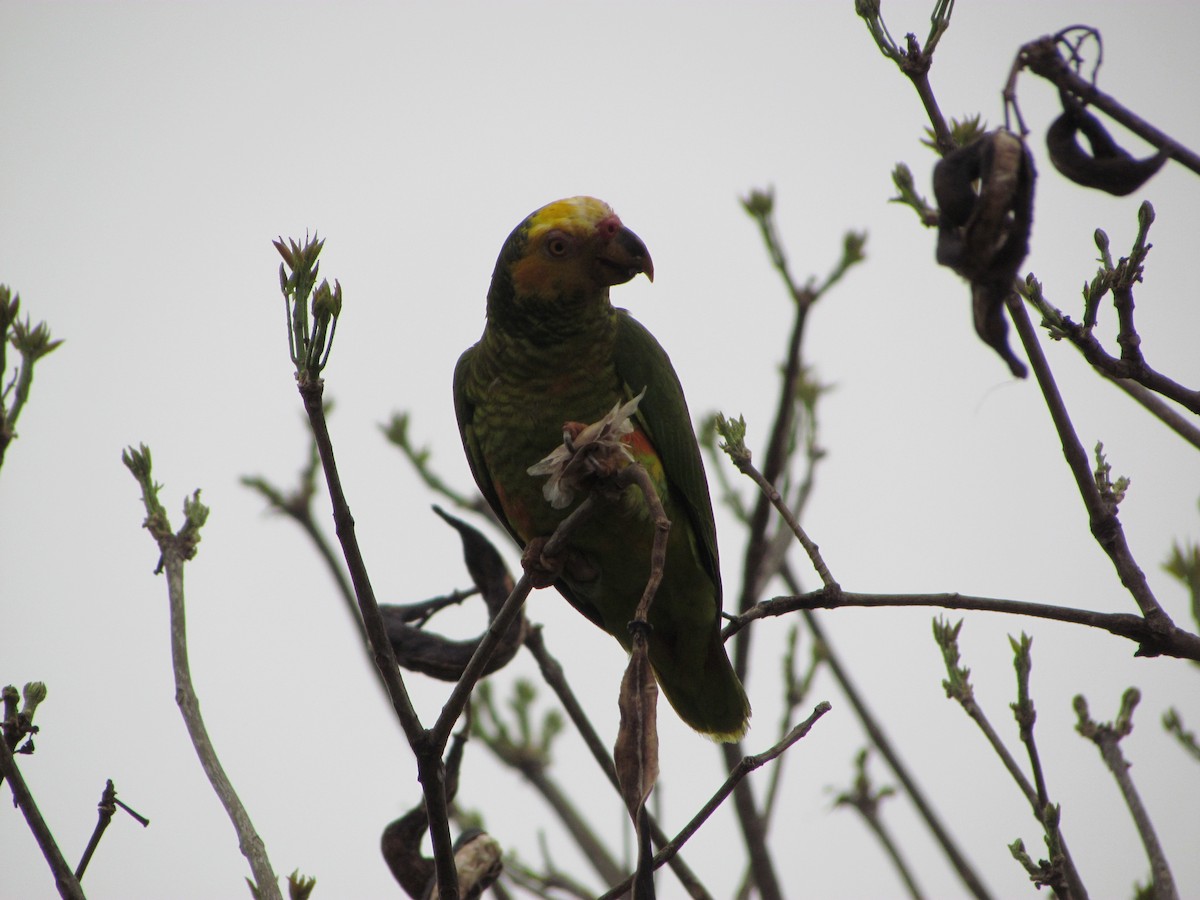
[1043, 58]
[1107, 737]
[1174, 642]
[945, 839]
[744, 767]
[553, 674]
[64, 879]
[176, 549]
[1102, 515]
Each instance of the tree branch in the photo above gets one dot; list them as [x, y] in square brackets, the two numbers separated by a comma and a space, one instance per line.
[1152, 642]
[64, 879]
[553, 674]
[1107, 737]
[1042, 58]
[1061, 874]
[1102, 516]
[176, 549]
[883, 744]
[744, 767]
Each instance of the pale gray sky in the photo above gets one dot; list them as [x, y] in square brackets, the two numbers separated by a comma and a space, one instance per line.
[152, 151]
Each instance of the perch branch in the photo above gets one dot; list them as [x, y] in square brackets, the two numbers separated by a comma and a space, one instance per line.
[1174, 642]
[744, 767]
[64, 879]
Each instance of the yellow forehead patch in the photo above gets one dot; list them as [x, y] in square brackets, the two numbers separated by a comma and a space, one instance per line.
[573, 214]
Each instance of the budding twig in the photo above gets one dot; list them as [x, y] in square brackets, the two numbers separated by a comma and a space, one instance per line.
[177, 547]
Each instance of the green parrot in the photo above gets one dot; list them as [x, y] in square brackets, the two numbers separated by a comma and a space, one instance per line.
[553, 351]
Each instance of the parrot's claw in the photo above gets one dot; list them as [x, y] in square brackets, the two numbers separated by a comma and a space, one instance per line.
[542, 570]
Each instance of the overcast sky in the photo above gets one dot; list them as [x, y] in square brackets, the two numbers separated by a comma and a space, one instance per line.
[150, 153]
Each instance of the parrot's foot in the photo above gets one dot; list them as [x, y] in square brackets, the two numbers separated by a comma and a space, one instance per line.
[542, 570]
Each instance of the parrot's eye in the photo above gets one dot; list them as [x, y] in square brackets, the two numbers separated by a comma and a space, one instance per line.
[558, 244]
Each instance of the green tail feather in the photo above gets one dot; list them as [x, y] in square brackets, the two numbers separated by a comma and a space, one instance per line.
[710, 698]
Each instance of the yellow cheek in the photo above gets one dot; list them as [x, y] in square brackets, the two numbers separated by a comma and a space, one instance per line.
[535, 277]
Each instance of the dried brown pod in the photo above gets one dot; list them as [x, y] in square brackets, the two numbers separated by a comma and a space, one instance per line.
[985, 198]
[1109, 167]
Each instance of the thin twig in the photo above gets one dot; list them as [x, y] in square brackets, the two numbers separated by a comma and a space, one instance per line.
[553, 674]
[746, 467]
[754, 579]
[106, 808]
[636, 474]
[385, 660]
[744, 767]
[1105, 525]
[1175, 642]
[430, 767]
[884, 837]
[1042, 58]
[866, 802]
[883, 744]
[755, 573]
[249, 842]
[1155, 405]
[1026, 716]
[64, 879]
[461, 695]
[1064, 880]
[297, 506]
[1107, 737]
[1121, 370]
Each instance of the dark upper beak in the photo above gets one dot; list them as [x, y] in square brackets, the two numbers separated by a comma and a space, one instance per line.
[623, 256]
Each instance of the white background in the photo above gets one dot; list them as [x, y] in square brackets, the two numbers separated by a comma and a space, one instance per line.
[149, 154]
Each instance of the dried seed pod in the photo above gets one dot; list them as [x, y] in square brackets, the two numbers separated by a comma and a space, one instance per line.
[1109, 167]
[985, 198]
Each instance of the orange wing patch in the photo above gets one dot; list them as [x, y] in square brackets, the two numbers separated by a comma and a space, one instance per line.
[643, 452]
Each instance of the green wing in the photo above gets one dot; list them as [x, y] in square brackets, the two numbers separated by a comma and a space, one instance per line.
[642, 362]
[464, 410]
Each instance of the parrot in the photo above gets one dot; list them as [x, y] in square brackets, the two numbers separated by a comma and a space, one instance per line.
[555, 351]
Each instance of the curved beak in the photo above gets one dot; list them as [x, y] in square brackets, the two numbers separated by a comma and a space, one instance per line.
[623, 256]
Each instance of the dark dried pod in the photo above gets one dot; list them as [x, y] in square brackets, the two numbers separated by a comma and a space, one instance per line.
[1109, 167]
[985, 199]
[422, 650]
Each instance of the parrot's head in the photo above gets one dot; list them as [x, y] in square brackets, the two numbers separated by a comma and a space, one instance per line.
[566, 254]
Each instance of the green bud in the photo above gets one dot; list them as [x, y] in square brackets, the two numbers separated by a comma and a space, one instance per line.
[10, 304]
[33, 341]
[733, 437]
[853, 245]
[1129, 702]
[760, 203]
[337, 298]
[288, 253]
[194, 511]
[1101, 240]
[326, 301]
[300, 887]
[1145, 215]
[137, 461]
[1080, 705]
[33, 693]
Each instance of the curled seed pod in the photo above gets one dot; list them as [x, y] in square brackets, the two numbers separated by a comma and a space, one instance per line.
[1109, 167]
